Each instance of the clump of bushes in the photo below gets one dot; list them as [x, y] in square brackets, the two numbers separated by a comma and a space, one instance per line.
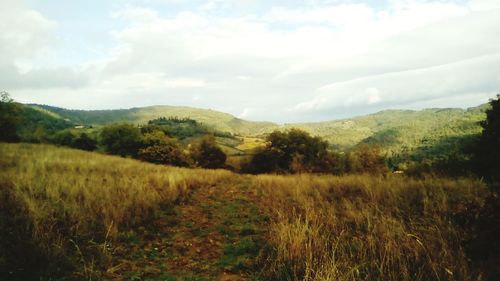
[150, 143]
[207, 154]
[296, 151]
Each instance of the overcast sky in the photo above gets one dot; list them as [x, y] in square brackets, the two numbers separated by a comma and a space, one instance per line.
[283, 61]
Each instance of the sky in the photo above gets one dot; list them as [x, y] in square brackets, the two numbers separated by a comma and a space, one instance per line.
[281, 61]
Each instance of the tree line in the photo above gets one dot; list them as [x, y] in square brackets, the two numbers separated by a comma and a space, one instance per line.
[291, 151]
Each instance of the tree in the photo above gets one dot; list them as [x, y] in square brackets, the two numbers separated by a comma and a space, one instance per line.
[293, 151]
[84, 142]
[487, 151]
[121, 139]
[65, 137]
[160, 149]
[10, 116]
[366, 159]
[207, 154]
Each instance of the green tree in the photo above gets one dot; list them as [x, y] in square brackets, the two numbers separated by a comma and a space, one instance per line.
[64, 137]
[366, 159]
[207, 154]
[487, 151]
[292, 151]
[10, 116]
[121, 139]
[160, 149]
[84, 142]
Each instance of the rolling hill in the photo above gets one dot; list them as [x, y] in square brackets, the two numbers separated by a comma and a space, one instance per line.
[219, 121]
[405, 135]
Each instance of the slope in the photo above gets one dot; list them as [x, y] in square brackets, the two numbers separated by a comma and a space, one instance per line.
[217, 120]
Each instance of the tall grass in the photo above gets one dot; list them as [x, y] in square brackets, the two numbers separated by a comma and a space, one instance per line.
[367, 228]
[70, 198]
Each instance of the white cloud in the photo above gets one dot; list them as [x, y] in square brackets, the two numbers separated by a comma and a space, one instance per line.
[316, 61]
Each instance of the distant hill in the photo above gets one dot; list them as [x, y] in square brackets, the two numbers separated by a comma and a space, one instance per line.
[435, 130]
[399, 127]
[219, 121]
[37, 123]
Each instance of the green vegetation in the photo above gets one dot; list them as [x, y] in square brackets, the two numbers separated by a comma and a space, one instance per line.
[160, 149]
[207, 154]
[9, 117]
[180, 128]
[486, 150]
[292, 151]
[408, 138]
[218, 121]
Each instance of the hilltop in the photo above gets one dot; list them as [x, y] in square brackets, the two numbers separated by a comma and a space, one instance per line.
[219, 121]
[395, 131]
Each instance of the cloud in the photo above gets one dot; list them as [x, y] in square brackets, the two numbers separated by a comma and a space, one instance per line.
[26, 34]
[314, 61]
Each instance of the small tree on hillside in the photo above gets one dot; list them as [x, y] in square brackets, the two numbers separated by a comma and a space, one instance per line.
[121, 139]
[366, 159]
[160, 149]
[207, 154]
[293, 151]
[10, 115]
[84, 142]
[487, 152]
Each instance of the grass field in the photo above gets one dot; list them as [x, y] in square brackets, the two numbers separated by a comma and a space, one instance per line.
[72, 215]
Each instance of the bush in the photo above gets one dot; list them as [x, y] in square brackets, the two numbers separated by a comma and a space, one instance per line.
[366, 159]
[207, 154]
[294, 151]
[84, 142]
[121, 139]
[487, 154]
[10, 115]
[160, 149]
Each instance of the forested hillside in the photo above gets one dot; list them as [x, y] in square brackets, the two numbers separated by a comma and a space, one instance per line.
[402, 134]
[217, 120]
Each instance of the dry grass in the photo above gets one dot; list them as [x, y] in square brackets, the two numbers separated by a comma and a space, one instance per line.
[367, 228]
[73, 204]
[69, 198]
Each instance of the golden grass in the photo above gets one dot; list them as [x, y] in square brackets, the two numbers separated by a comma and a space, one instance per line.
[322, 227]
[367, 228]
[250, 143]
[66, 193]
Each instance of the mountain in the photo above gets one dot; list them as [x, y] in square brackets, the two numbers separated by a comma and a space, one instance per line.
[393, 130]
[399, 127]
[219, 121]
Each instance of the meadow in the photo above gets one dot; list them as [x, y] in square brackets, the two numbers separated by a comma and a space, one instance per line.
[73, 215]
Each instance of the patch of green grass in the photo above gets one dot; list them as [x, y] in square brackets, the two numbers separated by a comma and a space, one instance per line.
[248, 229]
[231, 208]
[200, 231]
[239, 256]
[190, 277]
[226, 231]
[129, 237]
[164, 277]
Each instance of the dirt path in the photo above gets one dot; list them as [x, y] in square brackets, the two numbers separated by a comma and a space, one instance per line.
[216, 234]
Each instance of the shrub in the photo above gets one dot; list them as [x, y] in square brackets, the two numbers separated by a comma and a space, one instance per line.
[293, 151]
[366, 159]
[160, 149]
[10, 113]
[207, 154]
[84, 142]
[121, 139]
